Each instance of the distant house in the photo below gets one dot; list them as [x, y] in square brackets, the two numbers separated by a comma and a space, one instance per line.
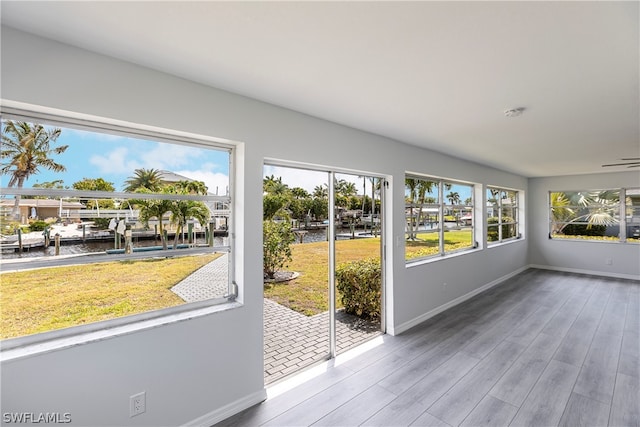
[42, 208]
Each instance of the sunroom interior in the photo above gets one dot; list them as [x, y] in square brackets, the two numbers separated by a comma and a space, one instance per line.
[420, 89]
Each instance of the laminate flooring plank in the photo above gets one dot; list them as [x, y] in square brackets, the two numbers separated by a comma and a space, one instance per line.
[388, 344]
[546, 403]
[490, 412]
[514, 386]
[486, 342]
[528, 330]
[576, 343]
[331, 398]
[613, 318]
[633, 309]
[630, 354]
[428, 420]
[598, 374]
[273, 407]
[562, 321]
[438, 332]
[625, 408]
[403, 379]
[358, 409]
[412, 403]
[459, 401]
[582, 411]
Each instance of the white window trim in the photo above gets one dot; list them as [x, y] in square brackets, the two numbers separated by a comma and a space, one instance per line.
[12, 348]
[441, 255]
[623, 224]
[520, 235]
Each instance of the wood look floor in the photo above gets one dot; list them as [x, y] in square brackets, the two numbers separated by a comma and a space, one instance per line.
[542, 349]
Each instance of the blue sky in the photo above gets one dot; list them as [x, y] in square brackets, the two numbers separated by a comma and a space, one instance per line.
[115, 158]
[309, 179]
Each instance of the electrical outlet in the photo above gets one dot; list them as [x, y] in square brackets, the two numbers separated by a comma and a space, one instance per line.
[137, 404]
[608, 261]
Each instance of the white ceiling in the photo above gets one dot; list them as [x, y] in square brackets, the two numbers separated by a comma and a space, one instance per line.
[431, 74]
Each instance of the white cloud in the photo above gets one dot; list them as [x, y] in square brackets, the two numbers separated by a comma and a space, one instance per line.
[117, 161]
[169, 156]
[297, 177]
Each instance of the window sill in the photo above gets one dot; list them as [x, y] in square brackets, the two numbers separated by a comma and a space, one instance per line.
[21, 347]
[611, 242]
[506, 242]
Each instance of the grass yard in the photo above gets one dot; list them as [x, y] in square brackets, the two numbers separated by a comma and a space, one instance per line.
[54, 298]
[428, 243]
[308, 294]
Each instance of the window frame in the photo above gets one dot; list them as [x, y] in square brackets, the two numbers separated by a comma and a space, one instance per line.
[517, 209]
[620, 214]
[79, 334]
[442, 205]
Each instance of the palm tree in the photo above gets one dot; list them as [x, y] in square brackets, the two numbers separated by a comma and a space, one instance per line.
[300, 193]
[151, 179]
[595, 208]
[153, 208]
[26, 147]
[345, 188]
[320, 191]
[418, 190]
[182, 210]
[274, 185]
[191, 187]
[453, 197]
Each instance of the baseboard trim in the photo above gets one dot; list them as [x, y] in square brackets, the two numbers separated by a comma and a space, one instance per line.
[589, 272]
[416, 321]
[229, 410]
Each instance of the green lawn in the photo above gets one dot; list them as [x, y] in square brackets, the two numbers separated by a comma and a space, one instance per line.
[308, 294]
[54, 298]
[427, 243]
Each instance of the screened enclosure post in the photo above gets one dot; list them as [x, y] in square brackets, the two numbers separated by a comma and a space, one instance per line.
[332, 266]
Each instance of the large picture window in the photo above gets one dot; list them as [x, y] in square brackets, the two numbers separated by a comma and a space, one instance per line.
[600, 215]
[503, 222]
[102, 224]
[439, 217]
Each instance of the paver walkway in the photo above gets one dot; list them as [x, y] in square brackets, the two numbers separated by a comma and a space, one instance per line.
[292, 340]
[209, 281]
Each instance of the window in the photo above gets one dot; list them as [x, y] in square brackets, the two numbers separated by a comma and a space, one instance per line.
[439, 217]
[595, 215]
[111, 222]
[502, 215]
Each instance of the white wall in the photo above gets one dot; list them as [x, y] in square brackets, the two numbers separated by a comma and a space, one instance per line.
[195, 367]
[580, 256]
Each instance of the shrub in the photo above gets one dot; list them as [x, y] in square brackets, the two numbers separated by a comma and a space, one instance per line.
[492, 232]
[101, 223]
[37, 225]
[584, 230]
[360, 284]
[277, 238]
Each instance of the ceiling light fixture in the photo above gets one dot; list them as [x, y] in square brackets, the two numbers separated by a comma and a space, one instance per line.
[514, 112]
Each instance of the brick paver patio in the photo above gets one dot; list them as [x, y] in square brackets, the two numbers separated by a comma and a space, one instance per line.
[292, 340]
